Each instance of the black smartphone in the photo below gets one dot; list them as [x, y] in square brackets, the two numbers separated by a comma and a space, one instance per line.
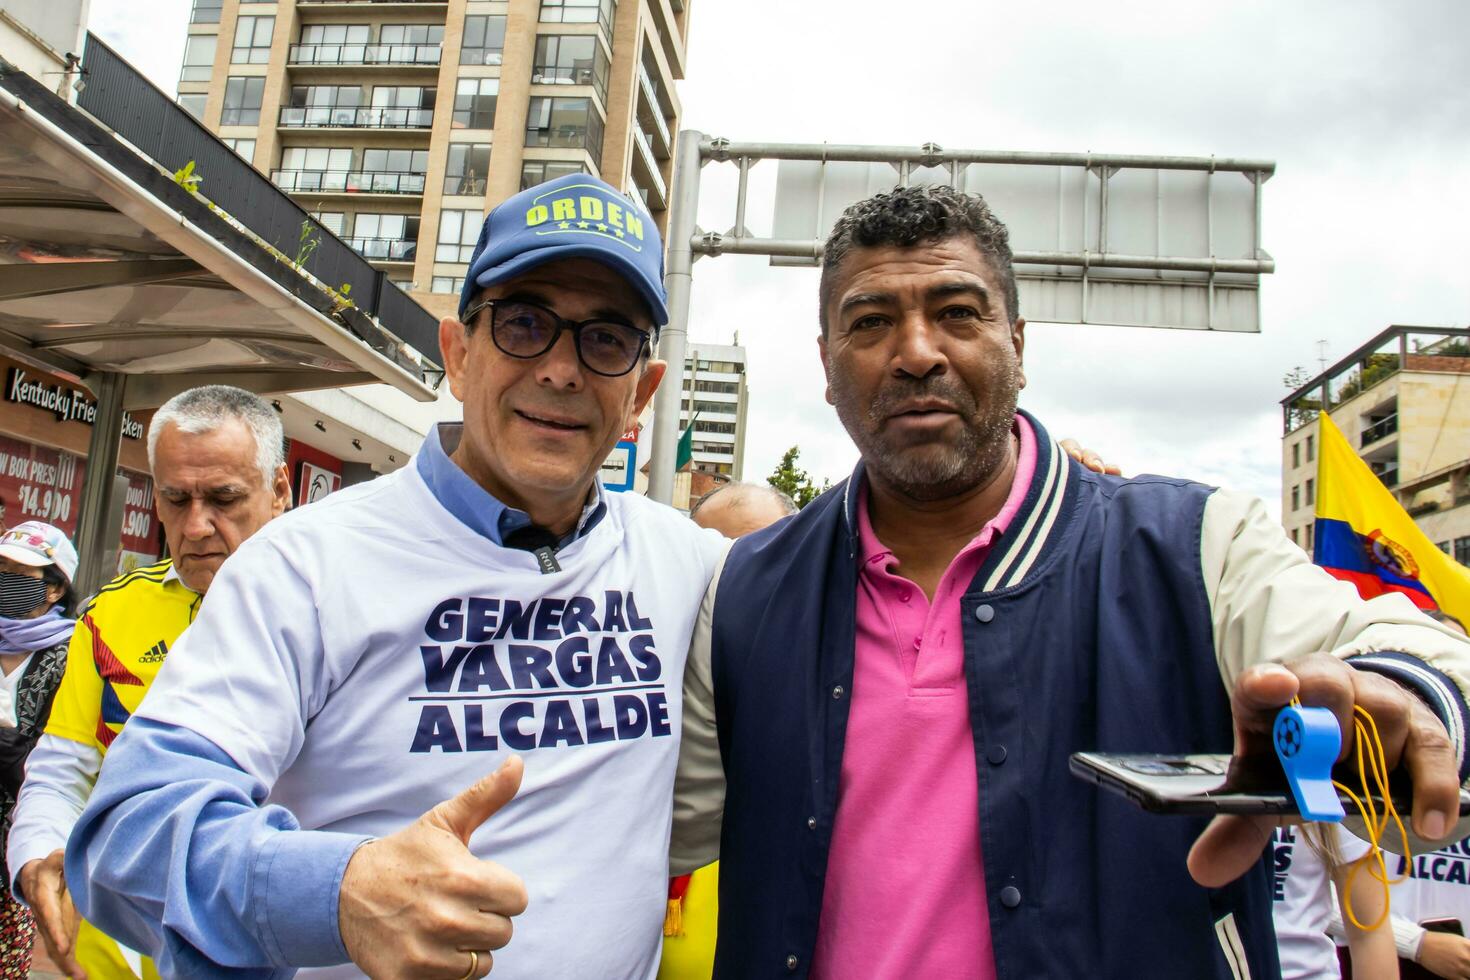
[1204, 784]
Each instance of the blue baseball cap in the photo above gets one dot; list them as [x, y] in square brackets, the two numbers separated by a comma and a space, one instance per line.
[569, 217]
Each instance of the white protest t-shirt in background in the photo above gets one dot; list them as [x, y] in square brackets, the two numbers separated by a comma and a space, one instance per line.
[9, 684]
[1437, 886]
[370, 656]
[1303, 901]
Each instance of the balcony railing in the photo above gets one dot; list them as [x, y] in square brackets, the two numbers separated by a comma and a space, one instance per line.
[655, 107]
[1381, 429]
[650, 163]
[1388, 474]
[356, 117]
[384, 249]
[365, 54]
[349, 182]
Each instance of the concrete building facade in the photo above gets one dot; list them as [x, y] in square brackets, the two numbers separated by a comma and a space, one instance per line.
[715, 397]
[398, 124]
[1403, 402]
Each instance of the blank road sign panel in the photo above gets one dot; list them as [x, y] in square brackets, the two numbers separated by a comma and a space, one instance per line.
[1104, 232]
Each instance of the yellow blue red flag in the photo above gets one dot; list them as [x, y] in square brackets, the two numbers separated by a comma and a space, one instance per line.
[1365, 537]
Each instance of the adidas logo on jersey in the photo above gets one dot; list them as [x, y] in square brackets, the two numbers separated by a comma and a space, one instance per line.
[156, 654]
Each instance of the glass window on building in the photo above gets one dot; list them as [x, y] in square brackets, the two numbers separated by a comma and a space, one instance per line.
[447, 284]
[598, 12]
[206, 11]
[1296, 498]
[1462, 550]
[403, 106]
[323, 105]
[244, 147]
[474, 103]
[242, 101]
[1444, 546]
[391, 237]
[1296, 454]
[332, 44]
[253, 40]
[410, 44]
[458, 232]
[391, 171]
[564, 123]
[1311, 448]
[466, 169]
[484, 40]
[314, 168]
[199, 52]
[395, 161]
[1309, 529]
[574, 59]
[535, 172]
[193, 104]
[1311, 492]
[335, 33]
[411, 34]
[333, 221]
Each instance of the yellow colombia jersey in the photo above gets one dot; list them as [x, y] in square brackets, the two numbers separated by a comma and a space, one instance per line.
[122, 638]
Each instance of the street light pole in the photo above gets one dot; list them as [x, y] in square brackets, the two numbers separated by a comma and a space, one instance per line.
[672, 340]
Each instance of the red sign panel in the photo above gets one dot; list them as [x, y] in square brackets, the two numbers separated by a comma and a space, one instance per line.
[41, 484]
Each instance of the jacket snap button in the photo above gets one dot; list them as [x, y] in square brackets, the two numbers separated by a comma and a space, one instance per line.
[791, 962]
[1010, 896]
[995, 755]
[984, 613]
[837, 692]
[811, 823]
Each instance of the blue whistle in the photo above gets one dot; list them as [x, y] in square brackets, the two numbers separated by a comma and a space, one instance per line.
[1307, 742]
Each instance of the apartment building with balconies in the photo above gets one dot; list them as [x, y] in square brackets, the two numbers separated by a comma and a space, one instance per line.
[1402, 400]
[715, 398]
[399, 123]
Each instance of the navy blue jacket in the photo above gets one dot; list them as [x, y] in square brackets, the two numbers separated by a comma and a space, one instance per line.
[1088, 627]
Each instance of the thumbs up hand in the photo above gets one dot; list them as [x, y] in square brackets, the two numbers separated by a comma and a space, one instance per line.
[418, 904]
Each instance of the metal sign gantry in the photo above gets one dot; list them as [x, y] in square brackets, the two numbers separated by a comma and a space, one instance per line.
[1120, 239]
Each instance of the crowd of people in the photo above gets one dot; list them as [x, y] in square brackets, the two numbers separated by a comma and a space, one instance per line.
[473, 715]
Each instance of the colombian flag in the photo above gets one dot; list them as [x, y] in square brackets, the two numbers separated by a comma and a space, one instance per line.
[1364, 537]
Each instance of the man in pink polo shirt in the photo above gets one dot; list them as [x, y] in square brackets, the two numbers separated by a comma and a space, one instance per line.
[884, 690]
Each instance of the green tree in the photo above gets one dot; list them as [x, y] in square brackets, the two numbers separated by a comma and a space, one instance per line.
[793, 481]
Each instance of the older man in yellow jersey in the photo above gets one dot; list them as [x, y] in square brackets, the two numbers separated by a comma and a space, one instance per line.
[219, 475]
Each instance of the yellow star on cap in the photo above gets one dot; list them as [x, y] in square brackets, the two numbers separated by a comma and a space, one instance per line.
[564, 225]
[582, 224]
[601, 227]
[619, 232]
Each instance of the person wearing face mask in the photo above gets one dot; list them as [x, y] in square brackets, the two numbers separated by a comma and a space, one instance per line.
[37, 563]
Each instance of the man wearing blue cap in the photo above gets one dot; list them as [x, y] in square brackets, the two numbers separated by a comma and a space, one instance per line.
[284, 798]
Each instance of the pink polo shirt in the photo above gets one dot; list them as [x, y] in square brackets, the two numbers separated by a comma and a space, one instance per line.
[905, 890]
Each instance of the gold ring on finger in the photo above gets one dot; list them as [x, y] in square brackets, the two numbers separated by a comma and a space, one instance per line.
[474, 964]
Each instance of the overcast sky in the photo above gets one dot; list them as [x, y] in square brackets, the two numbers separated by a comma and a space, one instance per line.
[1365, 107]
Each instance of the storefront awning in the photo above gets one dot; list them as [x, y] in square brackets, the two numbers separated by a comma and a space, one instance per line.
[108, 265]
[113, 272]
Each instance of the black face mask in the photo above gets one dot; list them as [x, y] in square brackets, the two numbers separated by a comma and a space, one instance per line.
[20, 594]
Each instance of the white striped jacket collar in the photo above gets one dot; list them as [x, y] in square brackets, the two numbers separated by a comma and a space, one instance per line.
[1037, 524]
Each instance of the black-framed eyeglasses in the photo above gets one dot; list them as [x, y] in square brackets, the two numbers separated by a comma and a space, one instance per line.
[524, 329]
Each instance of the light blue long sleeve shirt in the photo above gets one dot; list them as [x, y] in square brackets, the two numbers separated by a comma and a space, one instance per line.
[175, 853]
